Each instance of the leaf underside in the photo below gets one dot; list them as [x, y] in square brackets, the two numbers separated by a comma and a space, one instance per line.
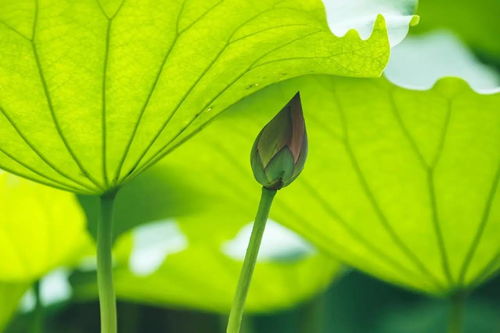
[401, 184]
[93, 92]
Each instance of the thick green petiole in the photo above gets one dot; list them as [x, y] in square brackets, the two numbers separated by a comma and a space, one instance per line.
[107, 299]
[455, 324]
[259, 225]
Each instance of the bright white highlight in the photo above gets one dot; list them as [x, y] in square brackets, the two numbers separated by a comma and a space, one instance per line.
[419, 62]
[153, 242]
[278, 244]
[54, 288]
[344, 15]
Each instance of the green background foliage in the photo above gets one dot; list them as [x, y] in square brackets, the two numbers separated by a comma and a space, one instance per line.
[10, 294]
[352, 304]
[42, 229]
[402, 184]
[475, 22]
[200, 267]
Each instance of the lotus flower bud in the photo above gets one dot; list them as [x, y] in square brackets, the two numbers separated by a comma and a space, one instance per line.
[280, 150]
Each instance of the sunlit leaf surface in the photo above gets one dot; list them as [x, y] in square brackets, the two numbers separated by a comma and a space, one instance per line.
[401, 184]
[40, 229]
[94, 91]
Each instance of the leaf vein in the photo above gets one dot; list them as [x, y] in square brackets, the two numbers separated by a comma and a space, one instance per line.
[160, 153]
[433, 198]
[187, 93]
[56, 183]
[482, 227]
[358, 236]
[50, 105]
[147, 101]
[374, 203]
[38, 153]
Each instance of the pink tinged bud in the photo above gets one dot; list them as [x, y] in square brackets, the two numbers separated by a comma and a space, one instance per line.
[280, 150]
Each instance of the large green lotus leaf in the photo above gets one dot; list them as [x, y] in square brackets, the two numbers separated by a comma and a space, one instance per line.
[401, 184]
[40, 229]
[10, 294]
[94, 91]
[182, 262]
[475, 22]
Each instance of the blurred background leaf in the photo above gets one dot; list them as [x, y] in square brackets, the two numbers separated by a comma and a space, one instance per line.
[420, 60]
[437, 233]
[474, 22]
[192, 259]
[10, 295]
[157, 262]
[41, 229]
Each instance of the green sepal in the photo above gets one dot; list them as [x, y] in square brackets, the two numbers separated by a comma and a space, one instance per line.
[280, 169]
[257, 166]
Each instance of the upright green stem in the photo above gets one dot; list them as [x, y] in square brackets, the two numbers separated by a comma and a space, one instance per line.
[107, 297]
[37, 324]
[455, 324]
[259, 225]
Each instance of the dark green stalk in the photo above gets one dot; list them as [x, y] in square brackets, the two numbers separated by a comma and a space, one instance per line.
[456, 317]
[236, 315]
[313, 316]
[107, 299]
[37, 323]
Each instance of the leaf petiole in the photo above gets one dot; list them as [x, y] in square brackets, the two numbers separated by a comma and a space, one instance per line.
[107, 298]
[456, 318]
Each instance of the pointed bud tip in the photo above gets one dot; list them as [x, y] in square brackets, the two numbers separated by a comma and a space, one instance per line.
[296, 99]
[280, 149]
